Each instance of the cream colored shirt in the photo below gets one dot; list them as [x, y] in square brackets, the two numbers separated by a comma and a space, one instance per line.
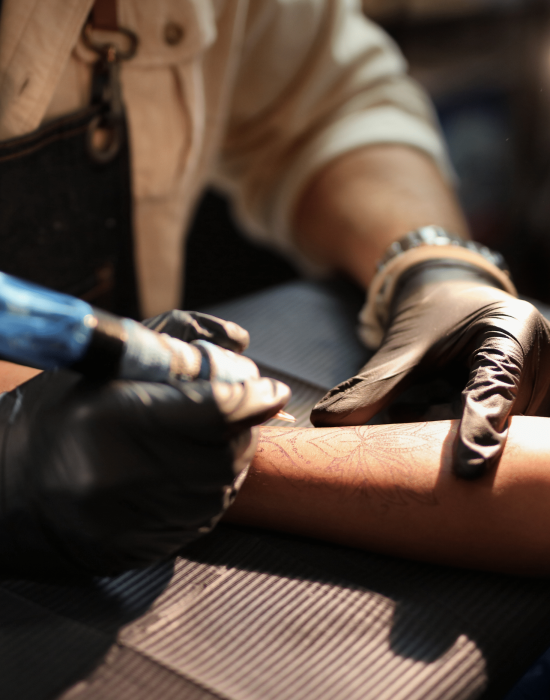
[255, 98]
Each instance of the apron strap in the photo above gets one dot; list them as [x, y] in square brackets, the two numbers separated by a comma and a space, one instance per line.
[104, 15]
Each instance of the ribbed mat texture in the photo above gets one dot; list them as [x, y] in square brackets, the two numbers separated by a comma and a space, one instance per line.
[251, 615]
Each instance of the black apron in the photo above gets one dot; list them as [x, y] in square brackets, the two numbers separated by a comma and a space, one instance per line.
[65, 206]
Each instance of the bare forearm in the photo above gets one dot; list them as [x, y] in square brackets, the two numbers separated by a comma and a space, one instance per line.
[390, 489]
[362, 202]
[12, 375]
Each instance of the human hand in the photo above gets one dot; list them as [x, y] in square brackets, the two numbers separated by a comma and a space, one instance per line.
[206, 332]
[194, 325]
[104, 478]
[448, 317]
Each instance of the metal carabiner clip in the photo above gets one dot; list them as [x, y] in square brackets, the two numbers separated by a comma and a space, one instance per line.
[106, 130]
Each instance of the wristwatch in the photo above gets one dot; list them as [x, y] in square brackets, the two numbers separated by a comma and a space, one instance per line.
[425, 243]
[436, 235]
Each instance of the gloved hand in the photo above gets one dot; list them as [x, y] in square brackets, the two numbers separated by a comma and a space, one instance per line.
[193, 325]
[104, 478]
[449, 317]
[212, 335]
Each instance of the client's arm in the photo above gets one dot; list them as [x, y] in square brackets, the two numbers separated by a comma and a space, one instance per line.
[12, 375]
[390, 489]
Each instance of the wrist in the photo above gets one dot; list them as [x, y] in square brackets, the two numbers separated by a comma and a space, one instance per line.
[442, 271]
[430, 244]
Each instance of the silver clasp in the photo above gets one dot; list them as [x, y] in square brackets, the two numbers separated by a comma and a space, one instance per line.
[106, 130]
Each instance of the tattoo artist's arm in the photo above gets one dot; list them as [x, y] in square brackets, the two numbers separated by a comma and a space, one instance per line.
[366, 199]
[390, 489]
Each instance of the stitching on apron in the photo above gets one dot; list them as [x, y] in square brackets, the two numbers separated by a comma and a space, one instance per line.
[44, 142]
[86, 114]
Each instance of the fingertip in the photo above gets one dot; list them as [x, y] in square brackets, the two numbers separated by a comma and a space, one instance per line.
[226, 334]
[321, 418]
[239, 336]
[340, 416]
[354, 402]
[274, 393]
[336, 404]
[476, 456]
[468, 462]
[251, 402]
[469, 469]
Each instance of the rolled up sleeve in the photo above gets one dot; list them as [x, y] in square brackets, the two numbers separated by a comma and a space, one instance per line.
[316, 79]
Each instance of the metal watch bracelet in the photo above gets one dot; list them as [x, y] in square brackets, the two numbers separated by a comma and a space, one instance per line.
[426, 243]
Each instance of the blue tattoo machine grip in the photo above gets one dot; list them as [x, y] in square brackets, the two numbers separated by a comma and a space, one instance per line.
[47, 329]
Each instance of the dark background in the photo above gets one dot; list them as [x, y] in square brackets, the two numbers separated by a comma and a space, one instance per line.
[486, 64]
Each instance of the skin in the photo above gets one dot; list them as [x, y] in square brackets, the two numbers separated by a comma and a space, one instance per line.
[372, 196]
[11, 375]
[390, 489]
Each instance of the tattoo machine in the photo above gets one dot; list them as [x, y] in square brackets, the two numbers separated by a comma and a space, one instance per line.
[47, 329]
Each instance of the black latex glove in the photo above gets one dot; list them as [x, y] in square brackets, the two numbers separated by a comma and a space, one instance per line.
[193, 325]
[104, 478]
[448, 317]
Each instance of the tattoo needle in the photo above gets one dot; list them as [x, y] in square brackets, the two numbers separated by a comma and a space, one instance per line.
[283, 415]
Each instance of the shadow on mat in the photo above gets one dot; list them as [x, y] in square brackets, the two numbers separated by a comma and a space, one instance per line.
[53, 634]
[506, 617]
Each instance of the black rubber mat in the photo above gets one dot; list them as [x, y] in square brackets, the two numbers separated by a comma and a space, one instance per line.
[127, 675]
[52, 634]
[252, 615]
[290, 618]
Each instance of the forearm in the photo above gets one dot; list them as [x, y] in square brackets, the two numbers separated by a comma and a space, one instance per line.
[390, 489]
[359, 204]
[12, 375]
